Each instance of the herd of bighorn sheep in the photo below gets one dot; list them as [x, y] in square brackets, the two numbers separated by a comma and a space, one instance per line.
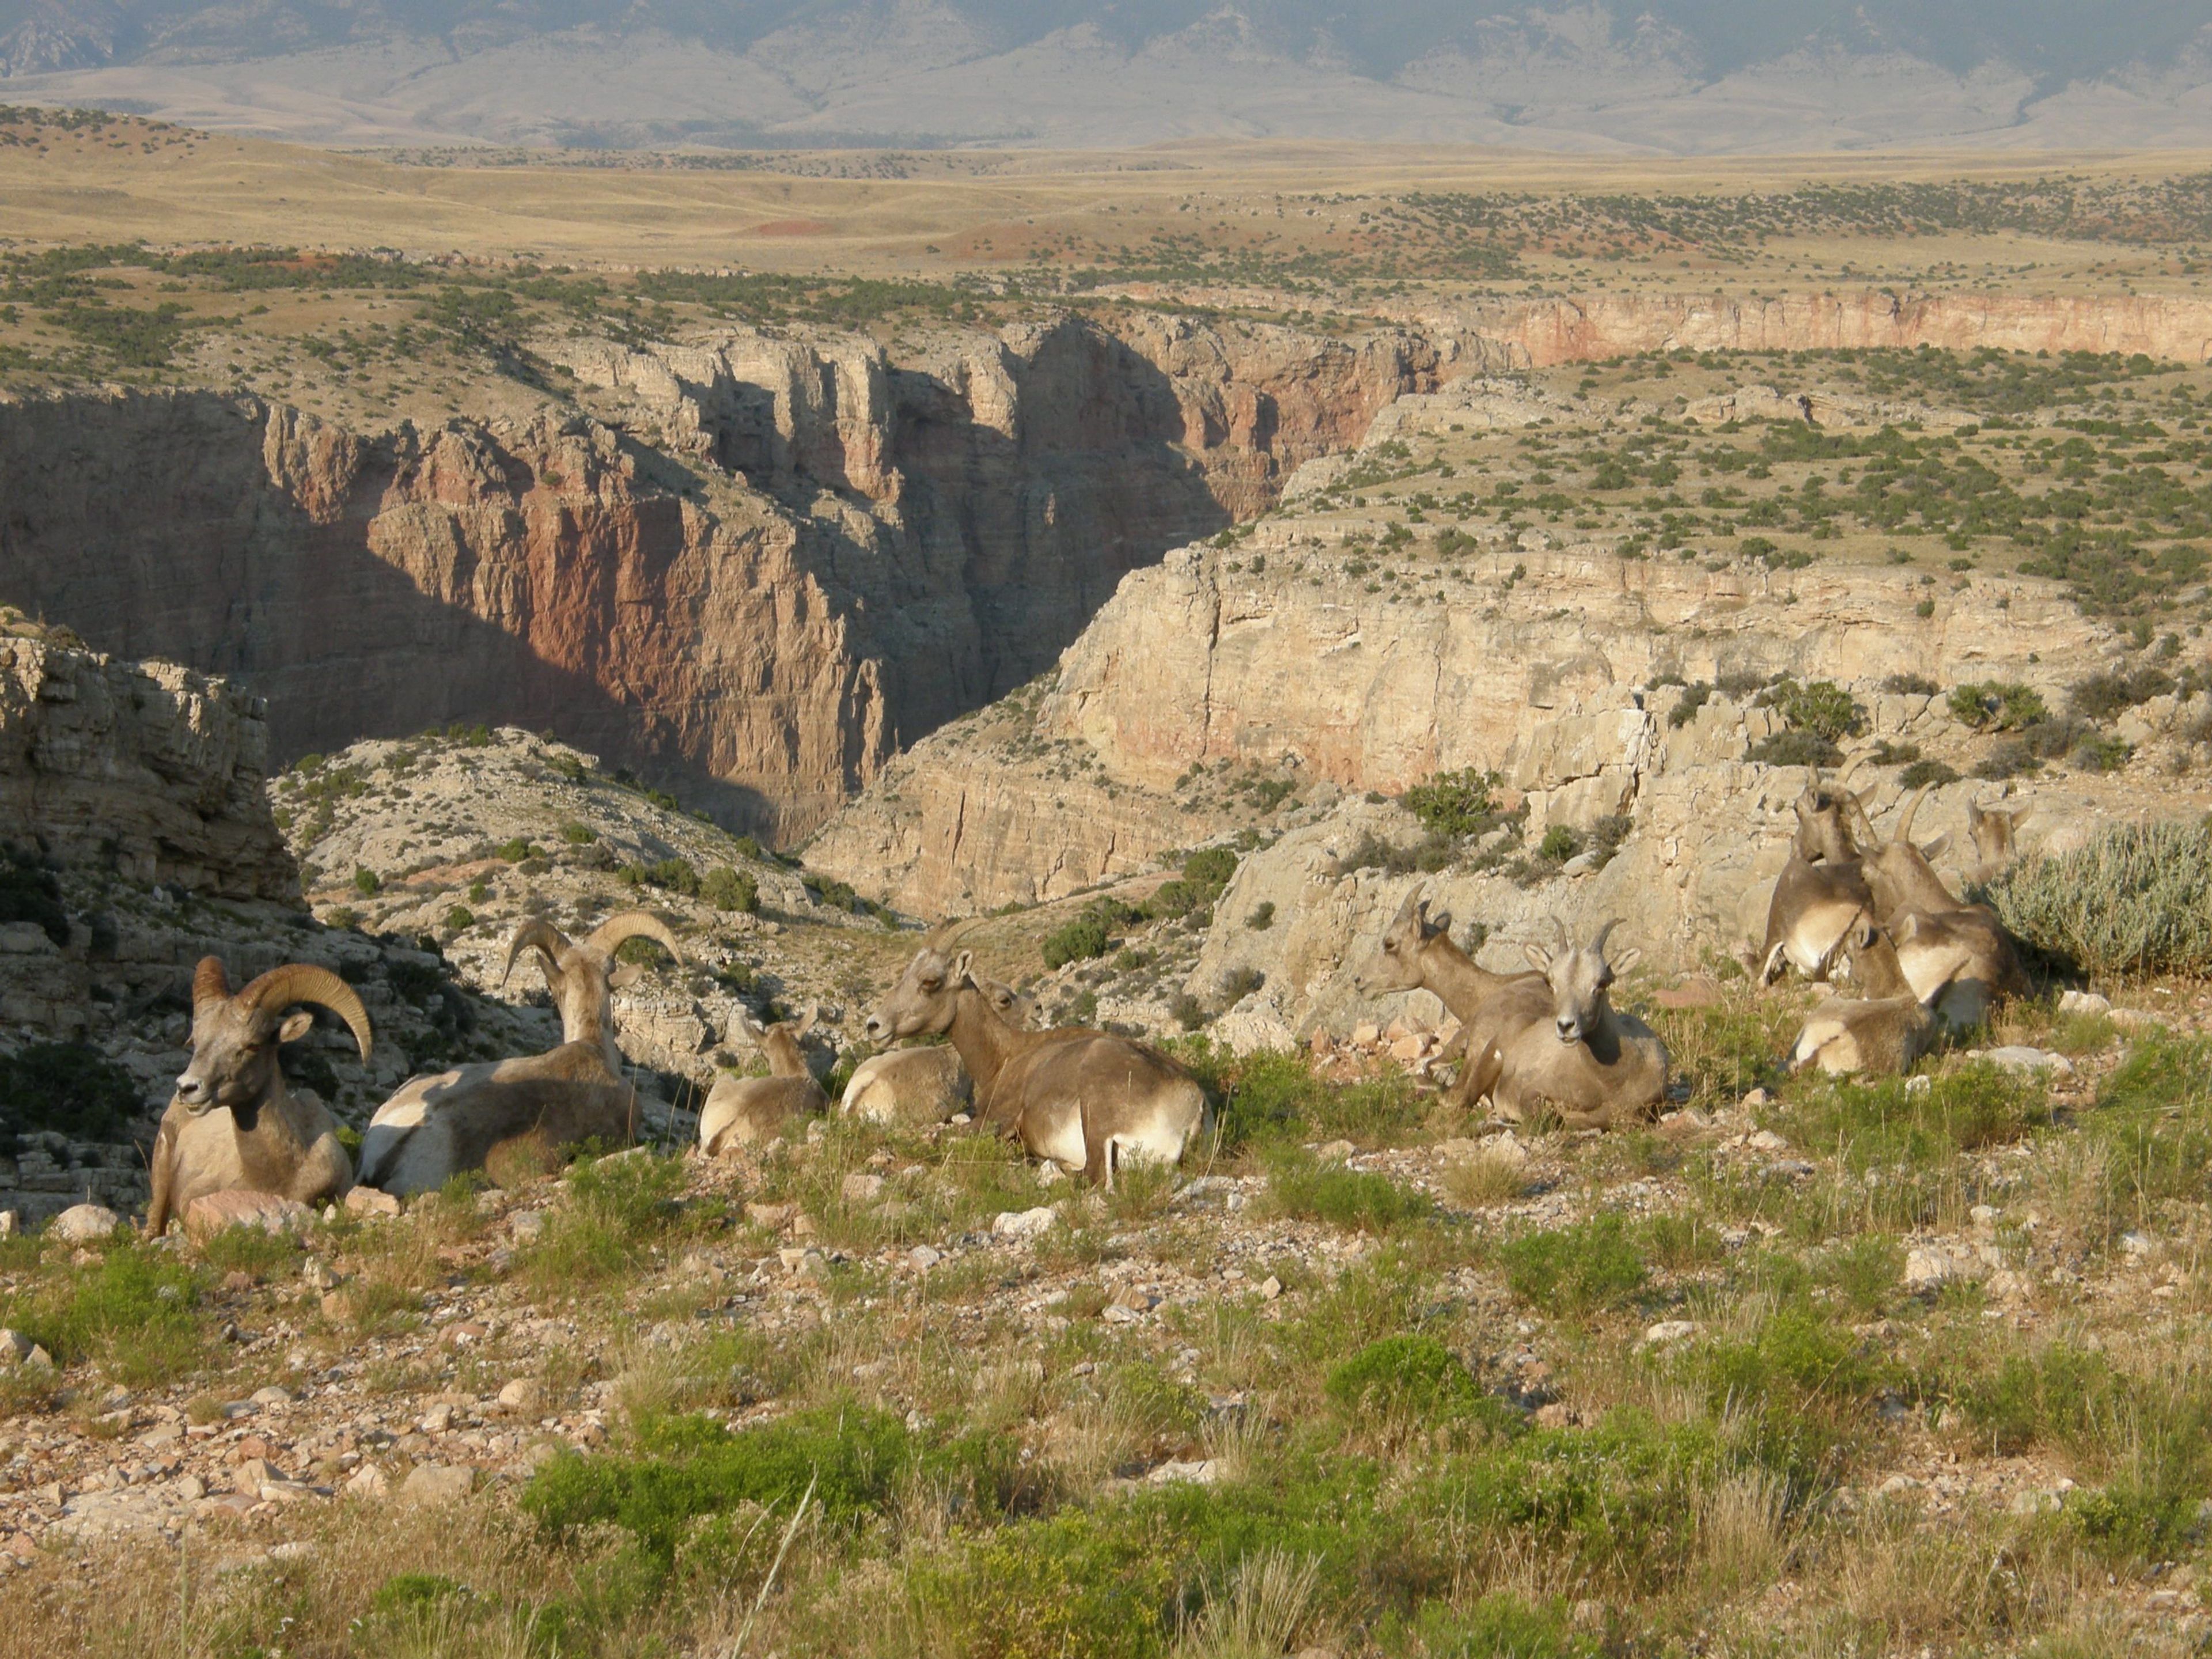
[1864, 914]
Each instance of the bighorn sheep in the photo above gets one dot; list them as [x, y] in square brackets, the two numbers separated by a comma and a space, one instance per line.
[1821, 889]
[233, 1123]
[515, 1117]
[1994, 831]
[1591, 1065]
[1902, 882]
[928, 1085]
[1081, 1098]
[1417, 953]
[747, 1111]
[1888, 1025]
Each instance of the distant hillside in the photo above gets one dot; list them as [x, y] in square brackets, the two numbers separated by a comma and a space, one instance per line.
[1676, 75]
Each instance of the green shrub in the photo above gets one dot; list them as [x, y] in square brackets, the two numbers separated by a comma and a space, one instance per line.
[1205, 874]
[514, 850]
[2138, 899]
[731, 890]
[2101, 696]
[1910, 685]
[1261, 916]
[1271, 1096]
[1459, 802]
[460, 919]
[1501, 1625]
[1998, 706]
[1079, 940]
[1822, 709]
[1557, 845]
[1686, 707]
[1795, 749]
[671, 875]
[1577, 1269]
[1925, 773]
[1357, 1200]
[1411, 1374]
[69, 1087]
[578, 835]
[366, 882]
[2100, 754]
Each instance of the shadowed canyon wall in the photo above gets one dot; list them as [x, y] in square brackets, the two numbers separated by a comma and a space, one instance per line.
[751, 566]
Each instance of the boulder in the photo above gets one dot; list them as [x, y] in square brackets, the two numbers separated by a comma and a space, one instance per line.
[430, 1485]
[83, 1223]
[269, 1212]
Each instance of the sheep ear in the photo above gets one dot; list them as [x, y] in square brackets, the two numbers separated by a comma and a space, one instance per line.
[963, 967]
[1538, 957]
[1906, 926]
[813, 1013]
[625, 976]
[1935, 849]
[1439, 923]
[2021, 814]
[296, 1025]
[1627, 960]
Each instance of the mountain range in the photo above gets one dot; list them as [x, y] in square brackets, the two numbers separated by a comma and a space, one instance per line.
[1670, 77]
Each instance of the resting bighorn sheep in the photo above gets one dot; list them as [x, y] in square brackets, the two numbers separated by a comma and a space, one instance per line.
[1887, 1025]
[233, 1123]
[1417, 953]
[1821, 889]
[1902, 882]
[1591, 1065]
[1994, 830]
[749, 1111]
[515, 1117]
[1081, 1098]
[928, 1085]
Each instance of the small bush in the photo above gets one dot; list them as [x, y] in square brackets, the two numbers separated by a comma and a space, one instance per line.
[1188, 1011]
[1411, 1374]
[1998, 706]
[578, 835]
[1577, 1269]
[1085, 937]
[366, 882]
[1240, 983]
[1461, 803]
[1822, 709]
[731, 890]
[1262, 917]
[2100, 754]
[1501, 1626]
[1686, 707]
[2009, 759]
[1797, 749]
[514, 850]
[1557, 845]
[2138, 899]
[1910, 685]
[1205, 874]
[1355, 1199]
[460, 919]
[1923, 773]
[2101, 696]
[671, 875]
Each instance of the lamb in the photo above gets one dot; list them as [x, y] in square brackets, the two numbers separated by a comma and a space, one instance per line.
[1080, 1097]
[1417, 953]
[1886, 1027]
[1590, 1065]
[1995, 833]
[233, 1123]
[928, 1085]
[750, 1111]
[515, 1118]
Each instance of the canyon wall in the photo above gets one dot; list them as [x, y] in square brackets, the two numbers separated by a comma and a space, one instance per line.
[752, 566]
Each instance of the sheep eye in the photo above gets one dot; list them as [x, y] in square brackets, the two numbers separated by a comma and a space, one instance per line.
[933, 984]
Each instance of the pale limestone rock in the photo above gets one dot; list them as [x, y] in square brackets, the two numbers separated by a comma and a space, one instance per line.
[82, 1224]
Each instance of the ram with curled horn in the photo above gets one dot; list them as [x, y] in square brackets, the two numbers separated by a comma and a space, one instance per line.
[514, 1118]
[233, 1123]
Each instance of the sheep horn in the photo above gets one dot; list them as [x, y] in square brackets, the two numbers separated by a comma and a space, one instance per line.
[616, 930]
[1905, 823]
[209, 983]
[1598, 944]
[1844, 778]
[539, 932]
[1416, 902]
[299, 981]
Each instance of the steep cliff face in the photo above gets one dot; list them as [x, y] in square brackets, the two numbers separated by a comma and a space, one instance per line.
[759, 565]
[1591, 328]
[146, 771]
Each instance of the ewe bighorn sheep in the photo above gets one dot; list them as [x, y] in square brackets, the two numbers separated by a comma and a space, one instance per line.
[1902, 882]
[512, 1118]
[233, 1123]
[1081, 1098]
[1590, 1065]
[1885, 1028]
[750, 1111]
[1994, 831]
[920, 1086]
[1417, 953]
[1821, 889]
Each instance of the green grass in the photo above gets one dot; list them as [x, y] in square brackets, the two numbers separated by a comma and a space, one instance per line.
[1575, 1270]
[617, 1208]
[1357, 1200]
[133, 1312]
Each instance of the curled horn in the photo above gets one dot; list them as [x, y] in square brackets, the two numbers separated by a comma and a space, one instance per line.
[1904, 822]
[209, 983]
[539, 932]
[1598, 944]
[1844, 778]
[299, 981]
[610, 935]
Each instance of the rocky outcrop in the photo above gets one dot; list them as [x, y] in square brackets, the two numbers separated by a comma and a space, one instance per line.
[760, 566]
[146, 771]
